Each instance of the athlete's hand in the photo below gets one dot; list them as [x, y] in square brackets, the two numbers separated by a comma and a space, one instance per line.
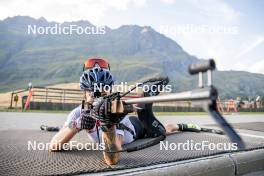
[87, 121]
[103, 112]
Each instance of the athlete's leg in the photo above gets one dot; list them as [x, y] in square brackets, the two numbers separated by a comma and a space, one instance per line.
[172, 128]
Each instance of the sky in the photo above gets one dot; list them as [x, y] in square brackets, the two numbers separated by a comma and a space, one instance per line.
[230, 31]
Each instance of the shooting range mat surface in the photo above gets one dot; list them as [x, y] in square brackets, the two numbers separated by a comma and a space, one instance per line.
[254, 126]
[16, 159]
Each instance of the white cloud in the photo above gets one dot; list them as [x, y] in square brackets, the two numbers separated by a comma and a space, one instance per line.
[209, 46]
[250, 47]
[124, 4]
[257, 67]
[211, 8]
[216, 8]
[66, 10]
[222, 47]
[250, 57]
[168, 1]
[230, 52]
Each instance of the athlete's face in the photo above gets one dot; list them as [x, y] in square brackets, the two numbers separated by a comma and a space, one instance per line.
[89, 98]
[91, 95]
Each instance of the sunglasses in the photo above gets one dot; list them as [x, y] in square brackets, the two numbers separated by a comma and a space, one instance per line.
[96, 62]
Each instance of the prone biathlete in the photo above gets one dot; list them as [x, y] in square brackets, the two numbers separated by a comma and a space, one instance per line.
[114, 130]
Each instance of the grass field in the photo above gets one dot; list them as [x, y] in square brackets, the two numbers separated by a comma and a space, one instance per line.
[3, 109]
[202, 113]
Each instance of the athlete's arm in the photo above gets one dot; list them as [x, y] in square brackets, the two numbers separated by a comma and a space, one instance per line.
[113, 142]
[67, 132]
[63, 136]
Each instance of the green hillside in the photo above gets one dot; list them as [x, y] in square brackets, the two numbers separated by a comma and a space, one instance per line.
[134, 52]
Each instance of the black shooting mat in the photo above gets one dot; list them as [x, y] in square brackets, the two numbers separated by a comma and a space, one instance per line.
[254, 126]
[16, 159]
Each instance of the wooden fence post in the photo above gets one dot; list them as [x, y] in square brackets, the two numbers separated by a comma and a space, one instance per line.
[46, 96]
[11, 102]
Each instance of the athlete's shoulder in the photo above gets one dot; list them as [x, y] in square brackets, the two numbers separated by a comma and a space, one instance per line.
[76, 112]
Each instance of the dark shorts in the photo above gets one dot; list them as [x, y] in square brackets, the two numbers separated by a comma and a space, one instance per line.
[139, 128]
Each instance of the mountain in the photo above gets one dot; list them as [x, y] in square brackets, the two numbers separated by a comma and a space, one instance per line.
[134, 52]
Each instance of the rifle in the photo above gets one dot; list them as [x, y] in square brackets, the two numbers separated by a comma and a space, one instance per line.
[205, 95]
